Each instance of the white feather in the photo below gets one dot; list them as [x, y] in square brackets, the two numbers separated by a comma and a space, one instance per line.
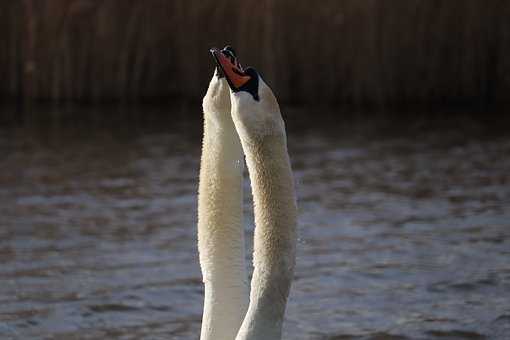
[259, 128]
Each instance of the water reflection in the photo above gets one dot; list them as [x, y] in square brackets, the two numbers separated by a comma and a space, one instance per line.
[403, 235]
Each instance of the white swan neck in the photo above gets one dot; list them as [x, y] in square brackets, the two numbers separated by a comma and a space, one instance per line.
[275, 236]
[220, 232]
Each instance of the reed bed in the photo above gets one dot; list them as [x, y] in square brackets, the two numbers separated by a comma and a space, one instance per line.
[361, 52]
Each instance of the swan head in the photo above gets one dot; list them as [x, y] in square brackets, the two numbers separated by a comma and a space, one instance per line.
[238, 78]
[255, 110]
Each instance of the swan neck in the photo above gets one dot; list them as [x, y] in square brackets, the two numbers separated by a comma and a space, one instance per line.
[220, 232]
[275, 236]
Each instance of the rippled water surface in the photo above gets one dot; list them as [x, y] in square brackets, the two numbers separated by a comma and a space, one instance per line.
[403, 234]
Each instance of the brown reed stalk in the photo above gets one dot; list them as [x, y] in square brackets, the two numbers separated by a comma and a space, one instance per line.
[375, 52]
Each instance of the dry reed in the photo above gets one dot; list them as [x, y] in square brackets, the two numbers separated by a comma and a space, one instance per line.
[329, 51]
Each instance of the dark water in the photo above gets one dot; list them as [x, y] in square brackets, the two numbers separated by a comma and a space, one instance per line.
[403, 234]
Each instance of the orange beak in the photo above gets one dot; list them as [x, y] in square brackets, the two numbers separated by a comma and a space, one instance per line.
[231, 68]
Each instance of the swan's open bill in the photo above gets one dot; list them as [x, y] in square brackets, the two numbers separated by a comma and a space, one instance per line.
[230, 53]
[238, 79]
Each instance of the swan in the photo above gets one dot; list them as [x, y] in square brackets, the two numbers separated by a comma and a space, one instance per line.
[242, 119]
[220, 232]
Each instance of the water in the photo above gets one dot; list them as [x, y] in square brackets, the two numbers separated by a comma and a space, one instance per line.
[403, 235]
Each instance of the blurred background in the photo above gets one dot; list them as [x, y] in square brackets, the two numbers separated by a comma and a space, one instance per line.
[397, 121]
[365, 52]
